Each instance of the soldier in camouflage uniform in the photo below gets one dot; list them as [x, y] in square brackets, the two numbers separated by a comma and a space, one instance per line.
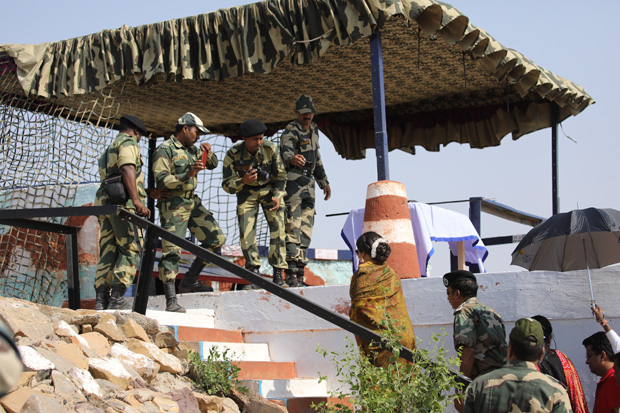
[299, 148]
[519, 386]
[479, 332]
[176, 164]
[254, 172]
[118, 248]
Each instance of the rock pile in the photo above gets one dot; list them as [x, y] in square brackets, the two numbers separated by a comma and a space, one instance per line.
[97, 362]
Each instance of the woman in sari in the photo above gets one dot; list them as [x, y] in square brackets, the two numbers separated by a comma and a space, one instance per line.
[376, 293]
[557, 365]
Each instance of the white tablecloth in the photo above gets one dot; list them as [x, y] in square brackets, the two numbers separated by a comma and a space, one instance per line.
[429, 224]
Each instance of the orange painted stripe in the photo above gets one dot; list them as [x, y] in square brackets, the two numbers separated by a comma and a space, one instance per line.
[304, 404]
[208, 334]
[266, 370]
[404, 260]
[386, 207]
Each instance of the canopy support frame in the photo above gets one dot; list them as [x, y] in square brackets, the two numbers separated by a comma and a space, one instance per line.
[555, 197]
[378, 99]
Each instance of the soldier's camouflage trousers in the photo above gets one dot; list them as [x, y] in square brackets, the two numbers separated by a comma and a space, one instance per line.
[300, 212]
[177, 215]
[118, 252]
[248, 201]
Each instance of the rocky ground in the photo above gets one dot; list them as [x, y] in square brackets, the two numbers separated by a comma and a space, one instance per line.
[89, 362]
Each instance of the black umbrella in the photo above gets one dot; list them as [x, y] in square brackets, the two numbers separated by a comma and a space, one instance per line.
[575, 240]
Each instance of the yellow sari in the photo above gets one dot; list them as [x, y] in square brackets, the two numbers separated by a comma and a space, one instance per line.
[376, 291]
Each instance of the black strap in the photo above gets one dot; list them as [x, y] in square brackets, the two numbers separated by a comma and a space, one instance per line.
[137, 237]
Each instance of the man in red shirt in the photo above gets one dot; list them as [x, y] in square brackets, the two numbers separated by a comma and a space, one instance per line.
[599, 357]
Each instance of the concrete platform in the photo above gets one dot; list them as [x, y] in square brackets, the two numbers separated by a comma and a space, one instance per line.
[194, 317]
[238, 351]
[288, 389]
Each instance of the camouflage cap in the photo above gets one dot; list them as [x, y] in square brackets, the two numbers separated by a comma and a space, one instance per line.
[190, 119]
[252, 127]
[137, 123]
[457, 275]
[528, 332]
[305, 104]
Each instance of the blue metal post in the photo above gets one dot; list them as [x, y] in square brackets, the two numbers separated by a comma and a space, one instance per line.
[378, 99]
[475, 209]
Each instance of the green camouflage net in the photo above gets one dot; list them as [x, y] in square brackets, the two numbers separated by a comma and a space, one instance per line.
[48, 158]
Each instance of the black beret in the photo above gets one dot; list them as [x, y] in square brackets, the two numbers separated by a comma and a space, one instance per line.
[252, 127]
[135, 122]
[457, 275]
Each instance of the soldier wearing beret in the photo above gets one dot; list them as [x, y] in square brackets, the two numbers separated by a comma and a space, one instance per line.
[519, 386]
[479, 332]
[253, 171]
[118, 248]
[176, 165]
[299, 148]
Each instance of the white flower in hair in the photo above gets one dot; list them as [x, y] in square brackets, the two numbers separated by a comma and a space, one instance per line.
[373, 248]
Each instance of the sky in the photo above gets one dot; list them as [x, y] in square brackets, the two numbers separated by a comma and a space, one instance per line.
[567, 37]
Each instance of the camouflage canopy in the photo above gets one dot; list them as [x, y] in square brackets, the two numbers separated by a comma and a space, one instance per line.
[445, 80]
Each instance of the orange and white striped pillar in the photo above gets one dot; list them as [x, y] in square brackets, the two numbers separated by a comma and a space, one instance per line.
[387, 214]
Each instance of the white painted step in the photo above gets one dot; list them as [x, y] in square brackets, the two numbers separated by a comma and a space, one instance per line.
[238, 351]
[194, 317]
[288, 389]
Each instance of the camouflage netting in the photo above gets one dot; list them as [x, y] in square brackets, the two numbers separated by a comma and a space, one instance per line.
[48, 161]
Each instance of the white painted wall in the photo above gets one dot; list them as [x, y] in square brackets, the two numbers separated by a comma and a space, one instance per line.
[294, 334]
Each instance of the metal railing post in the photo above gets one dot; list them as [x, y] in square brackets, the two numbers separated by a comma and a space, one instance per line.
[147, 263]
[73, 269]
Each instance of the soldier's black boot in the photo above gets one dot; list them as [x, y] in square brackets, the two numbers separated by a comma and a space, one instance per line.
[102, 297]
[117, 298]
[250, 286]
[300, 277]
[171, 298]
[190, 283]
[277, 277]
[291, 275]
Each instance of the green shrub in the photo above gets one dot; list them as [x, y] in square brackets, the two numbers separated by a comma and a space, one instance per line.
[217, 375]
[427, 385]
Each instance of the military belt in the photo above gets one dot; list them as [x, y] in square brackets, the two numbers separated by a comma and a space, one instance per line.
[257, 186]
[183, 194]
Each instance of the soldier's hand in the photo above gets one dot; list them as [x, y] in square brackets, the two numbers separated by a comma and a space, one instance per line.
[249, 177]
[298, 160]
[276, 203]
[141, 209]
[205, 147]
[196, 167]
[328, 192]
[158, 193]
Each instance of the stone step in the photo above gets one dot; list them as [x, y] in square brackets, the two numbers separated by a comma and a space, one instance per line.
[266, 370]
[304, 404]
[184, 333]
[194, 317]
[273, 380]
[237, 351]
[250, 369]
[288, 389]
